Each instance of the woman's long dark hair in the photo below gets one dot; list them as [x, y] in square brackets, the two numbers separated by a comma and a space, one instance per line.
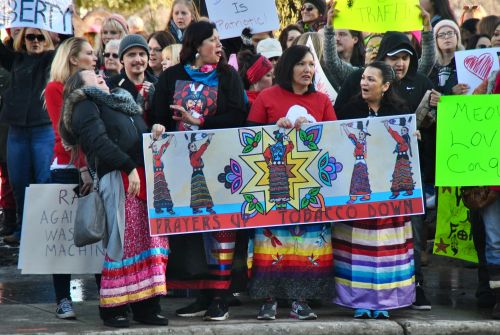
[164, 38]
[194, 36]
[358, 51]
[443, 9]
[284, 68]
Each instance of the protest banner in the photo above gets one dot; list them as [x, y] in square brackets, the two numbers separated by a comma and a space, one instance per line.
[453, 228]
[378, 16]
[475, 66]
[47, 236]
[266, 176]
[52, 15]
[231, 17]
[468, 138]
[321, 82]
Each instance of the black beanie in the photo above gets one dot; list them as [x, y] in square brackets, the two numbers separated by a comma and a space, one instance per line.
[131, 41]
[320, 4]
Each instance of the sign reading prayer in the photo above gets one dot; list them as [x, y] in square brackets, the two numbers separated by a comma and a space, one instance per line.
[378, 16]
[47, 236]
[269, 176]
[475, 66]
[468, 138]
[231, 17]
[52, 15]
[453, 228]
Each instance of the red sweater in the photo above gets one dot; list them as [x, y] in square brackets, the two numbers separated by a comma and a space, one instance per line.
[274, 103]
[54, 101]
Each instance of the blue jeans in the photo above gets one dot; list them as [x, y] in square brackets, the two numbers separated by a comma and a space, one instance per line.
[491, 219]
[29, 155]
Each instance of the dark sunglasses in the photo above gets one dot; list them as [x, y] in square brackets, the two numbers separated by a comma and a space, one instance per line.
[109, 54]
[307, 8]
[32, 37]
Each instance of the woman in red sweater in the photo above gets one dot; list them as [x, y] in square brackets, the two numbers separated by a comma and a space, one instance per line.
[73, 54]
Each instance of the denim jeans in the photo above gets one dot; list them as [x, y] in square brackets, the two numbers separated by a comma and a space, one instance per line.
[29, 155]
[491, 219]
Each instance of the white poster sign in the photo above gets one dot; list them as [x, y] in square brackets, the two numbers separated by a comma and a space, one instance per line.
[231, 17]
[475, 66]
[321, 82]
[52, 15]
[47, 236]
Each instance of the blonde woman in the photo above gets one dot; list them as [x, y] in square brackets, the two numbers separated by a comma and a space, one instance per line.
[73, 54]
[170, 55]
[30, 139]
[114, 27]
[183, 13]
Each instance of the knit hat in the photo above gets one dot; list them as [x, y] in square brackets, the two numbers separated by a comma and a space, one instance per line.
[131, 41]
[320, 4]
[269, 48]
[447, 23]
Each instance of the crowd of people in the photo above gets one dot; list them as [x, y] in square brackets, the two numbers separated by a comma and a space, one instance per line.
[73, 113]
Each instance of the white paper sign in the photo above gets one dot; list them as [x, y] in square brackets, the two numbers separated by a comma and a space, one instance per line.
[475, 66]
[52, 15]
[321, 82]
[47, 236]
[231, 17]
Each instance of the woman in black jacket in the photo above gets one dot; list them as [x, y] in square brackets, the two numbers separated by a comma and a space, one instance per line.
[31, 139]
[202, 92]
[108, 127]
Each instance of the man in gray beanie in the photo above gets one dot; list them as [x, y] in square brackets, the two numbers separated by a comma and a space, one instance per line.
[135, 77]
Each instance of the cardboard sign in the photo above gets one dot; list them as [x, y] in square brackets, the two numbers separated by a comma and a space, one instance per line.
[378, 16]
[47, 236]
[453, 228]
[231, 17]
[475, 66]
[52, 15]
[321, 82]
[468, 141]
[265, 176]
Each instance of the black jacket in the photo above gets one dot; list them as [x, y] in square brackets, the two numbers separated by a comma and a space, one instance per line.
[22, 101]
[357, 108]
[411, 88]
[231, 111]
[452, 80]
[111, 137]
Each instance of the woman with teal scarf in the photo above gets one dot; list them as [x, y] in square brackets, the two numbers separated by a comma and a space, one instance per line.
[202, 92]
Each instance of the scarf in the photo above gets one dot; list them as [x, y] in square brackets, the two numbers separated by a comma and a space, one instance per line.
[176, 31]
[118, 99]
[208, 78]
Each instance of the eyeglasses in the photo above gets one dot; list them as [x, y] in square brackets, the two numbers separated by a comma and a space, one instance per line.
[446, 35]
[110, 32]
[483, 46]
[307, 8]
[471, 7]
[109, 54]
[33, 37]
[372, 49]
[155, 50]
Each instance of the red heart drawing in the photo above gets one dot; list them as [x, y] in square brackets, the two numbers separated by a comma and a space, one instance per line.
[479, 66]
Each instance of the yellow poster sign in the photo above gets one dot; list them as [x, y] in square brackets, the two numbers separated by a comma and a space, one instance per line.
[378, 16]
[453, 228]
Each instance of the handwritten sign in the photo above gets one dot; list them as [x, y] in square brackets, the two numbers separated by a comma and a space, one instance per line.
[231, 17]
[321, 82]
[468, 138]
[52, 15]
[378, 16]
[265, 176]
[453, 228]
[475, 66]
[47, 236]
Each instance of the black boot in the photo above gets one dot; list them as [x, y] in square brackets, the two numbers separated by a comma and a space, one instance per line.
[494, 271]
[8, 222]
[496, 310]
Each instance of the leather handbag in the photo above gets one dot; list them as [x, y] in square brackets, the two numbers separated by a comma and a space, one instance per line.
[90, 218]
[477, 197]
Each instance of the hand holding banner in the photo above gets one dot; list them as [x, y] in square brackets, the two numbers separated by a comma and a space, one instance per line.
[378, 16]
[468, 138]
[51, 15]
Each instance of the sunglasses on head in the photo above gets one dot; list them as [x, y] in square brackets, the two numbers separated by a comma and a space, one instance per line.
[307, 8]
[32, 37]
[470, 7]
[110, 54]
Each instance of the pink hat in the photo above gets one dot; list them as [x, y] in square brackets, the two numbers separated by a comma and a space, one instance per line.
[120, 19]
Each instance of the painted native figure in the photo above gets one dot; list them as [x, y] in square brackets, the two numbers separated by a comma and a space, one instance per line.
[200, 195]
[360, 183]
[161, 193]
[275, 157]
[402, 179]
